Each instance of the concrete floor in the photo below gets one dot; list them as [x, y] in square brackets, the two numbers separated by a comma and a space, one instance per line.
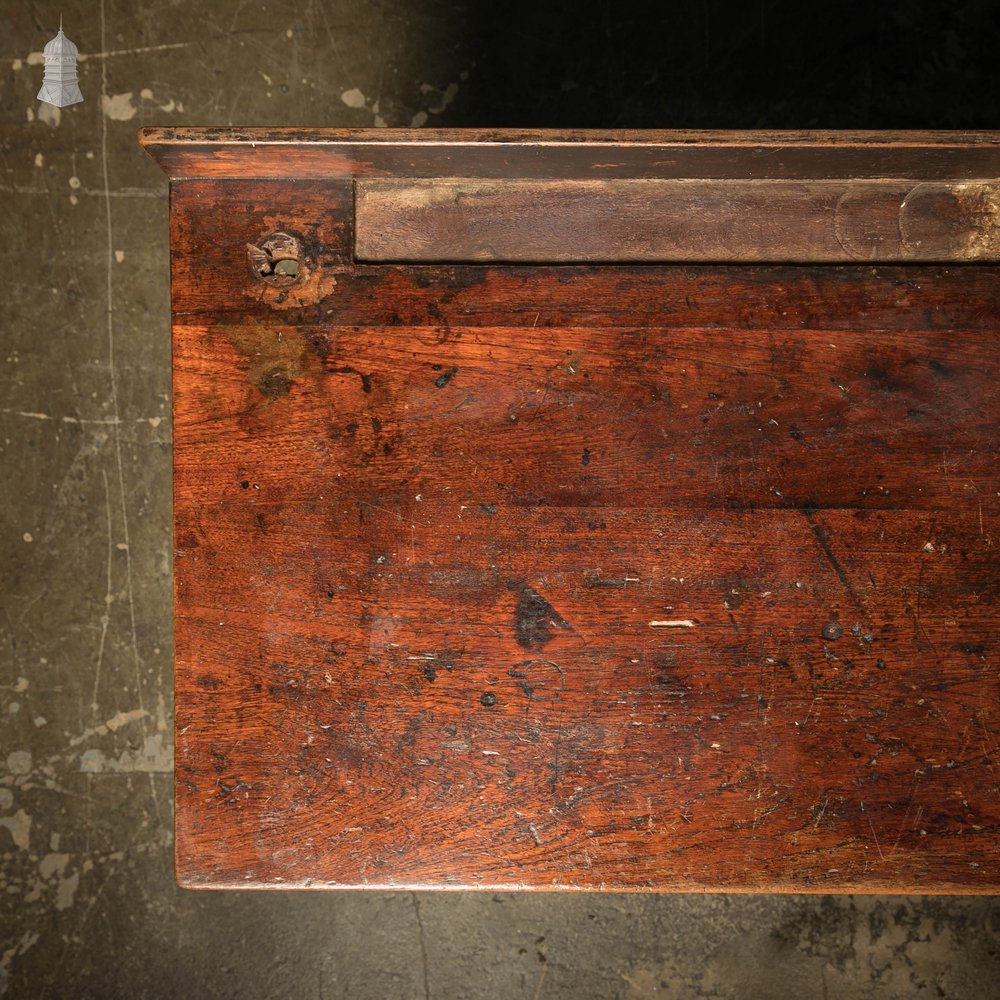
[89, 905]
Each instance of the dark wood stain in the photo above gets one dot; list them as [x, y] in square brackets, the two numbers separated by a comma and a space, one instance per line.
[535, 619]
[609, 576]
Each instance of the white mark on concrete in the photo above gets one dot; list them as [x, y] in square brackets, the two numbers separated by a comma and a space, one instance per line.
[108, 600]
[112, 725]
[36, 59]
[27, 536]
[19, 826]
[40, 721]
[19, 762]
[14, 707]
[83, 421]
[28, 939]
[119, 107]
[52, 864]
[171, 104]
[155, 757]
[39, 160]
[673, 623]
[92, 762]
[49, 114]
[353, 98]
[51, 869]
[84, 56]
[21, 685]
[112, 371]
[66, 891]
[119, 255]
[74, 183]
[6, 798]
[447, 96]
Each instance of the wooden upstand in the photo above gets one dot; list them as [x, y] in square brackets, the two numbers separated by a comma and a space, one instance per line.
[586, 510]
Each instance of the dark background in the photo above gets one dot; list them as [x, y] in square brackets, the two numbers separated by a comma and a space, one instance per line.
[757, 65]
[88, 902]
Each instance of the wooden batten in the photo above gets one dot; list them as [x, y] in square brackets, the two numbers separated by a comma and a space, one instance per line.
[676, 220]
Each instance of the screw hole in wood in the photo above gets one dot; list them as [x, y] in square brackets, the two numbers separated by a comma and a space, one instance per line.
[278, 260]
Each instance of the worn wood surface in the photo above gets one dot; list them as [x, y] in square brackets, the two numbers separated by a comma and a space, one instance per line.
[632, 577]
[676, 220]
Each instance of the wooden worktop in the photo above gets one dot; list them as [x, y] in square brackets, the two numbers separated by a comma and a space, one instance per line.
[587, 510]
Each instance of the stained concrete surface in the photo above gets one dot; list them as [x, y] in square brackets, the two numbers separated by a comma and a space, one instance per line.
[88, 906]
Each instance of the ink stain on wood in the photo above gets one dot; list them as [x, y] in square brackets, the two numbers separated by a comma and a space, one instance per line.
[366, 379]
[445, 377]
[535, 620]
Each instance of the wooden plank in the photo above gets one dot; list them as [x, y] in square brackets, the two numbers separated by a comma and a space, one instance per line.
[717, 400]
[294, 154]
[522, 221]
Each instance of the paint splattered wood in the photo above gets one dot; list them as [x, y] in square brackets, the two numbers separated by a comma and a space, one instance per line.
[605, 576]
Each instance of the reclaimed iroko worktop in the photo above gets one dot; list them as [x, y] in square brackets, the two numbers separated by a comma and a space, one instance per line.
[586, 510]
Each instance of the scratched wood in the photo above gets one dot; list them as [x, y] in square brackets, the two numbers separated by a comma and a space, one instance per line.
[621, 577]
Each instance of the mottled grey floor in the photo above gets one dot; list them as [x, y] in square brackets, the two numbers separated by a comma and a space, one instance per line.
[88, 902]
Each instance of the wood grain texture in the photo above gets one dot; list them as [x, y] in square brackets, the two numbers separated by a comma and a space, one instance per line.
[623, 577]
[455, 220]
